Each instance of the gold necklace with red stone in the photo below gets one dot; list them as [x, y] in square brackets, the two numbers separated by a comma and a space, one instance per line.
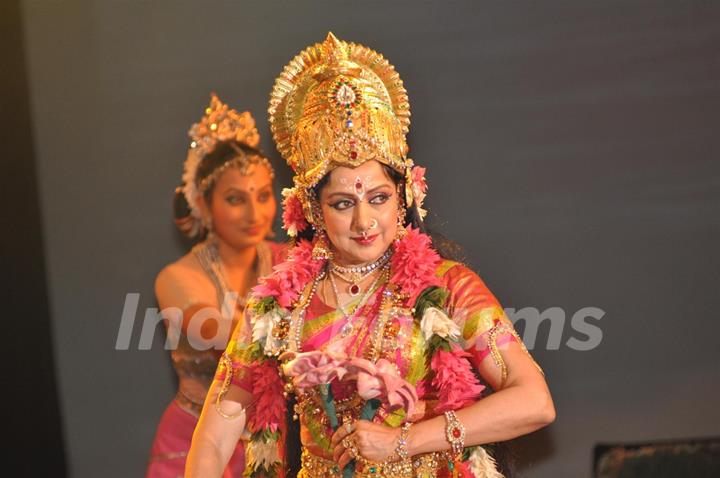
[350, 315]
[356, 274]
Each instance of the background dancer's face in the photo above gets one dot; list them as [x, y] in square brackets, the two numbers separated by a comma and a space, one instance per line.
[242, 206]
[360, 210]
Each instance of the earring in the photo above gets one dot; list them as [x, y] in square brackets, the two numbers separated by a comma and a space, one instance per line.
[400, 231]
[207, 222]
[321, 249]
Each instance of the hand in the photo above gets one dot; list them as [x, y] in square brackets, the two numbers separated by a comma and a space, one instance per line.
[375, 442]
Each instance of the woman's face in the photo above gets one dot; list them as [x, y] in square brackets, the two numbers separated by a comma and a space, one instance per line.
[243, 206]
[356, 201]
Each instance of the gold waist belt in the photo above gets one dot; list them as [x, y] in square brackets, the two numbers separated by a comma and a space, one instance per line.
[422, 466]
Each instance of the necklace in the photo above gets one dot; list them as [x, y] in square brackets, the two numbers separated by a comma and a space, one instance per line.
[209, 257]
[356, 274]
[348, 316]
[390, 299]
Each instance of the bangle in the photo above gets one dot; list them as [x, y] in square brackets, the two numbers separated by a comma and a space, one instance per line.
[455, 433]
[401, 448]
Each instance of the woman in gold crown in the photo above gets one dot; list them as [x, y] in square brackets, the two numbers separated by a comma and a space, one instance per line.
[227, 202]
[392, 360]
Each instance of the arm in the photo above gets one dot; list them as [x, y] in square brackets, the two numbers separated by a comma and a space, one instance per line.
[521, 402]
[521, 406]
[224, 415]
[216, 435]
[180, 288]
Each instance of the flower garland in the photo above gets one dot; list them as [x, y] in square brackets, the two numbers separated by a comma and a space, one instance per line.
[414, 264]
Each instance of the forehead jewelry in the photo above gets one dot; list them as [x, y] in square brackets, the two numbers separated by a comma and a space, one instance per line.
[359, 185]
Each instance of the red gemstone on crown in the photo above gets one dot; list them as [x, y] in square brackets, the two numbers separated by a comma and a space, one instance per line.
[353, 154]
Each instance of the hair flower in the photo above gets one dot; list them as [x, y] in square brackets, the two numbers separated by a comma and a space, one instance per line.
[293, 216]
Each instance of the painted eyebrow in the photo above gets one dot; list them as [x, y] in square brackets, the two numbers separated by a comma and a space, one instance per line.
[352, 195]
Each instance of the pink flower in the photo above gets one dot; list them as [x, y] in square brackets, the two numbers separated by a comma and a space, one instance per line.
[293, 216]
[289, 278]
[414, 264]
[267, 388]
[454, 379]
[309, 369]
[382, 381]
[419, 187]
[418, 177]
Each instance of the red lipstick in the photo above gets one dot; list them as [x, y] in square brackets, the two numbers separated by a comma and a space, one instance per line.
[365, 241]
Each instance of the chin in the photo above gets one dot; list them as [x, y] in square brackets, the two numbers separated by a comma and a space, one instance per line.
[245, 241]
[361, 254]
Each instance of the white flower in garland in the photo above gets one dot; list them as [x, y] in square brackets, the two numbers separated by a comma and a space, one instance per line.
[436, 322]
[261, 454]
[262, 330]
[482, 465]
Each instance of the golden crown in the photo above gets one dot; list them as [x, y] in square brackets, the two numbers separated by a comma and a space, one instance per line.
[220, 123]
[339, 104]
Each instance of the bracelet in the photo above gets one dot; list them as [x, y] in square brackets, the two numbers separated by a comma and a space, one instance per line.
[455, 433]
[389, 467]
[226, 362]
[401, 448]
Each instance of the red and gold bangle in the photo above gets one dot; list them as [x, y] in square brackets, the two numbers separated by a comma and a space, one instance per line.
[455, 433]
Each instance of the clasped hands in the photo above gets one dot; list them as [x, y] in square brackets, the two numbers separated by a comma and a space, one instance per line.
[372, 441]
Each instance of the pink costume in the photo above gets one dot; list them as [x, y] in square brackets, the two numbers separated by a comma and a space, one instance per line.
[484, 328]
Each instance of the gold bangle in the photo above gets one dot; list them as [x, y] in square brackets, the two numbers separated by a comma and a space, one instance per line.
[226, 362]
[455, 433]
[401, 448]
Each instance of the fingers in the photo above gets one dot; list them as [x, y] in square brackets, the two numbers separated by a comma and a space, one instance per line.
[343, 430]
[344, 459]
[340, 448]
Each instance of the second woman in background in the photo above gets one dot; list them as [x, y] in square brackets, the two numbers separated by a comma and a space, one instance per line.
[227, 201]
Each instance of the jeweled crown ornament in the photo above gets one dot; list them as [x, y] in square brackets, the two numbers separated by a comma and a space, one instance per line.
[220, 123]
[339, 104]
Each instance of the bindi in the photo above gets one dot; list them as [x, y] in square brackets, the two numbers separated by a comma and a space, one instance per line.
[359, 186]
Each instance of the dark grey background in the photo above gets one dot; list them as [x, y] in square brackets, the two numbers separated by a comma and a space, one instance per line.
[571, 148]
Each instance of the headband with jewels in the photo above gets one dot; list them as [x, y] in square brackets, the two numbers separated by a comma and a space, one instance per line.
[220, 123]
[339, 104]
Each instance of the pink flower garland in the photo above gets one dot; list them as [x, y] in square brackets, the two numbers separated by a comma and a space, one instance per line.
[289, 278]
[414, 264]
[454, 379]
[268, 392]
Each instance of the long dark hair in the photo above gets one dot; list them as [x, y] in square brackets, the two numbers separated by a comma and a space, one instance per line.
[501, 451]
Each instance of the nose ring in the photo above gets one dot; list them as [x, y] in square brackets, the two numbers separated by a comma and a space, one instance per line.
[373, 224]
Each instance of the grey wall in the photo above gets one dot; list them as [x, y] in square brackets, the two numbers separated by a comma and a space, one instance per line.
[571, 149]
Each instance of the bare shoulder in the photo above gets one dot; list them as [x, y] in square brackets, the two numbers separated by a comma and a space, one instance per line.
[182, 277]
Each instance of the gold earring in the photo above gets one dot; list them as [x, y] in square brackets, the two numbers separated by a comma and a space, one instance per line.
[321, 249]
[401, 232]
